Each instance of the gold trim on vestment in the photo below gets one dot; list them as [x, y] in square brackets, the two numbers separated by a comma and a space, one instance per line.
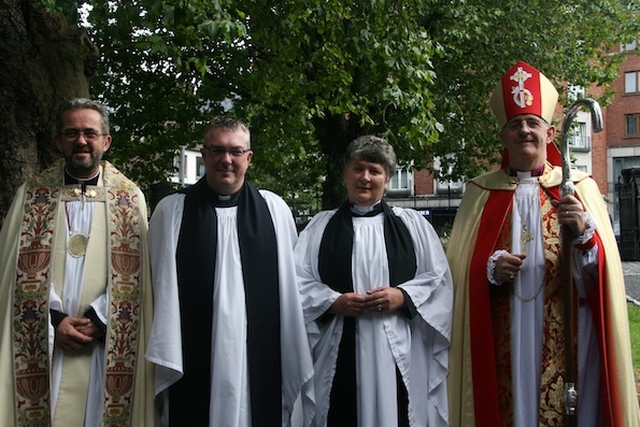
[31, 295]
[553, 347]
[30, 308]
[122, 340]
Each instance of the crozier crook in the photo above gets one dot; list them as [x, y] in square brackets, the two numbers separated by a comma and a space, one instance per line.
[570, 309]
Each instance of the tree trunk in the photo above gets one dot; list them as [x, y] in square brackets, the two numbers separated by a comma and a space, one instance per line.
[43, 63]
[335, 133]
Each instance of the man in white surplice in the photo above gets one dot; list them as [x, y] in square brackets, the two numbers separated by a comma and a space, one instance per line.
[229, 339]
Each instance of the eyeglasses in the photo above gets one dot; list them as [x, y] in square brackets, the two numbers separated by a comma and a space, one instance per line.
[90, 135]
[220, 151]
[531, 122]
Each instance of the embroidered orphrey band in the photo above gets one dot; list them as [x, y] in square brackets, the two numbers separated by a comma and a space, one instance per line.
[122, 340]
[30, 308]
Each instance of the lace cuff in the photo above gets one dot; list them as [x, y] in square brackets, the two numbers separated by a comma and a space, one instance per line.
[491, 266]
[586, 241]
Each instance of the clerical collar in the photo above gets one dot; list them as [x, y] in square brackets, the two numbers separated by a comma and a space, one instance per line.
[372, 210]
[535, 172]
[225, 200]
[70, 179]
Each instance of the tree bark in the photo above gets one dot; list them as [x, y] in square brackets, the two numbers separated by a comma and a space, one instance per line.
[335, 133]
[44, 62]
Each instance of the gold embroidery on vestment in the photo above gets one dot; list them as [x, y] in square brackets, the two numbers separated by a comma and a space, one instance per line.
[553, 346]
[30, 298]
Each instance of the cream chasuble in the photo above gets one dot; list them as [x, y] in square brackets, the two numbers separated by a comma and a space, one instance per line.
[74, 288]
[38, 273]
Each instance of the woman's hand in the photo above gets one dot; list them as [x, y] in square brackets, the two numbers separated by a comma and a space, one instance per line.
[348, 304]
[384, 299]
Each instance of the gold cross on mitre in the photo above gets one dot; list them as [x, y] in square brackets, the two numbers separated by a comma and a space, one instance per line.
[521, 76]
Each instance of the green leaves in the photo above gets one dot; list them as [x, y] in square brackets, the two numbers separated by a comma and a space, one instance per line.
[68, 8]
[310, 76]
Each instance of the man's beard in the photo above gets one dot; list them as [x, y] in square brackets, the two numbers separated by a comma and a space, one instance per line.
[82, 168]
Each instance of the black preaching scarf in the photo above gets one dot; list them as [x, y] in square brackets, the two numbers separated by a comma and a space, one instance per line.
[196, 254]
[334, 265]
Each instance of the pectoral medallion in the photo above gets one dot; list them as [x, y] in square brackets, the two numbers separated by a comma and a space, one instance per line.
[77, 245]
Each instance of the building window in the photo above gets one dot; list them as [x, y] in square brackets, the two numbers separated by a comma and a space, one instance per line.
[401, 180]
[448, 187]
[200, 170]
[185, 166]
[401, 183]
[579, 140]
[631, 80]
[633, 125]
[628, 47]
[443, 186]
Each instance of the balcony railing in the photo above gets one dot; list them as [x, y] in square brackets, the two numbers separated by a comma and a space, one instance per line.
[580, 142]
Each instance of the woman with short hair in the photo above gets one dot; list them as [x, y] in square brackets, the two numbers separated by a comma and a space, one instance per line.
[377, 296]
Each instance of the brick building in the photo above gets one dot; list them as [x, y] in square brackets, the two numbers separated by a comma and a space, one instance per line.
[623, 154]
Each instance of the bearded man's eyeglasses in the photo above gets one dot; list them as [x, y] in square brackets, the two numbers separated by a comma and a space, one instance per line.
[90, 135]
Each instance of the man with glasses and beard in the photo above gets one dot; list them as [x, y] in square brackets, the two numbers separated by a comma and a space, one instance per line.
[75, 288]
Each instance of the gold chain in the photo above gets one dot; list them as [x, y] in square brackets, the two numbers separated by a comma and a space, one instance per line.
[529, 298]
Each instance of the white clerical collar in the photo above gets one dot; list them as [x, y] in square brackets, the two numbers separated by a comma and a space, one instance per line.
[523, 175]
[81, 180]
[361, 210]
[226, 200]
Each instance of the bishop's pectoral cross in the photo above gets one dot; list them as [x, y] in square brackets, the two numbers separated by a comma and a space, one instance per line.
[525, 238]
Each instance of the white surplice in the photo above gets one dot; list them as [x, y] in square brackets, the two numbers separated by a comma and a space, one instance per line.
[418, 346]
[527, 317]
[230, 399]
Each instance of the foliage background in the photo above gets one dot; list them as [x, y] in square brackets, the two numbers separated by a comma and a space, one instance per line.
[310, 76]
